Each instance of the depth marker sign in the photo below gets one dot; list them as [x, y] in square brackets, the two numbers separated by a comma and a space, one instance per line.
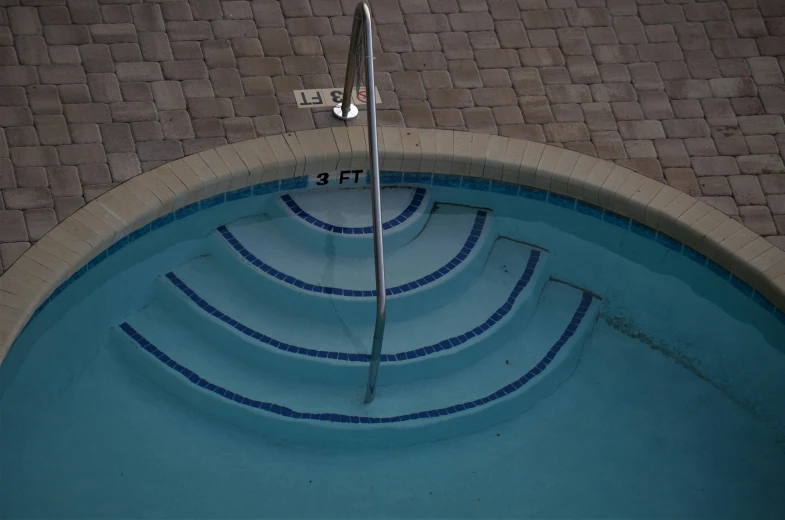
[330, 97]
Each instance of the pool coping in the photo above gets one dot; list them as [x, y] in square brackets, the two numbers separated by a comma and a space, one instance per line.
[134, 205]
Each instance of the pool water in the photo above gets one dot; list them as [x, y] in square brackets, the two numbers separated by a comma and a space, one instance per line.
[542, 358]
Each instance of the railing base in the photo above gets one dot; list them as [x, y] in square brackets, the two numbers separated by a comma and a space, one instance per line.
[338, 112]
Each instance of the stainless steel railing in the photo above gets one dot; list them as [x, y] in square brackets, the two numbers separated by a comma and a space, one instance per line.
[346, 110]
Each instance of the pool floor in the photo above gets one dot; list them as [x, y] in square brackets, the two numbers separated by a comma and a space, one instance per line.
[630, 434]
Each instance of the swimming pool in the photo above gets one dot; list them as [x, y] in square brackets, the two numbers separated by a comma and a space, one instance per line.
[544, 357]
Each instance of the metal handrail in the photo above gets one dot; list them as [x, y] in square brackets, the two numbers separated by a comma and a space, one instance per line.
[346, 110]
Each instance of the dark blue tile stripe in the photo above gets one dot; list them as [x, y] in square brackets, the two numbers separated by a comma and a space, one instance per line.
[419, 196]
[435, 180]
[447, 344]
[468, 246]
[277, 409]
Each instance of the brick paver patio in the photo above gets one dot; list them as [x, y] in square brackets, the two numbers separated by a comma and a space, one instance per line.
[95, 92]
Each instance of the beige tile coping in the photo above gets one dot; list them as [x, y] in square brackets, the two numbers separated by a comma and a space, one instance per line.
[115, 214]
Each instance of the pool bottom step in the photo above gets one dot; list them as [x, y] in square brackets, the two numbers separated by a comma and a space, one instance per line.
[504, 384]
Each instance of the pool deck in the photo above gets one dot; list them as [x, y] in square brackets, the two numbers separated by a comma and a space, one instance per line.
[93, 93]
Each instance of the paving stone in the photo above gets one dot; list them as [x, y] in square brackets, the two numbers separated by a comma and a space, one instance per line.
[734, 68]
[507, 115]
[613, 92]
[718, 30]
[660, 33]
[686, 108]
[758, 125]
[760, 164]
[733, 87]
[116, 137]
[747, 106]
[189, 31]
[155, 46]
[683, 179]
[746, 190]
[112, 14]
[599, 117]
[574, 41]
[255, 106]
[688, 89]
[627, 111]
[136, 91]
[640, 149]
[84, 133]
[449, 118]
[147, 131]
[543, 38]
[758, 218]
[536, 109]
[734, 48]
[511, 34]
[541, 57]
[762, 144]
[93, 173]
[104, 88]
[417, 113]
[684, 128]
[629, 29]
[31, 177]
[64, 54]
[296, 119]
[583, 69]
[544, 19]
[705, 166]
[565, 132]
[719, 112]
[450, 98]
[770, 45]
[691, 36]
[64, 181]
[588, 17]
[124, 52]
[700, 147]
[455, 45]
[420, 61]
[641, 129]
[765, 70]
[608, 145]
[246, 47]
[725, 204]
[479, 119]
[12, 229]
[555, 76]
[671, 152]
[773, 98]
[494, 97]
[168, 95]
[714, 186]
[497, 78]
[615, 54]
[159, 151]
[39, 221]
[729, 141]
[527, 82]
[569, 93]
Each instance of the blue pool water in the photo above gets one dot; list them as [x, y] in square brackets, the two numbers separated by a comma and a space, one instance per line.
[542, 358]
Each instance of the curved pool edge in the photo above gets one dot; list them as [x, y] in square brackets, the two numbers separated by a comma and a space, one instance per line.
[473, 161]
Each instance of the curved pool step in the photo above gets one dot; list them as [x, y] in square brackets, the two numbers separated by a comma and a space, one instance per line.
[336, 350]
[340, 220]
[436, 266]
[505, 383]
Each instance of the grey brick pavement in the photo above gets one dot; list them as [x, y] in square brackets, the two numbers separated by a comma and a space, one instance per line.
[93, 92]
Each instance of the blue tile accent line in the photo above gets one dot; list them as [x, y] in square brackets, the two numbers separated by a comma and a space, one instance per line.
[447, 344]
[419, 196]
[452, 181]
[468, 246]
[283, 411]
